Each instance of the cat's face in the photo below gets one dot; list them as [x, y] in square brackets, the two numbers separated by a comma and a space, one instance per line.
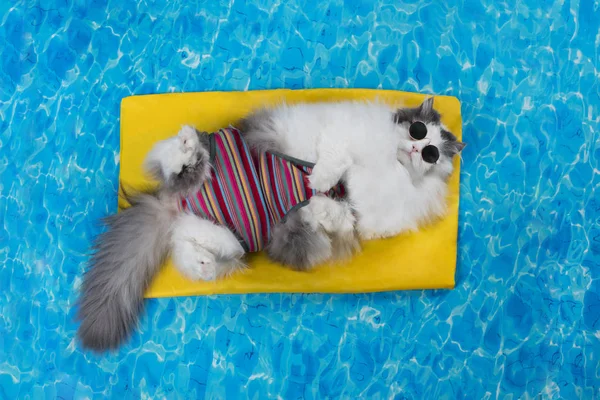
[425, 146]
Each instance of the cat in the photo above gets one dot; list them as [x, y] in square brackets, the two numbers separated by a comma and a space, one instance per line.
[394, 183]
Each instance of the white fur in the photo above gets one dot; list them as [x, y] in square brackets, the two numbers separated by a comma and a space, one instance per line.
[170, 155]
[333, 216]
[204, 250]
[389, 185]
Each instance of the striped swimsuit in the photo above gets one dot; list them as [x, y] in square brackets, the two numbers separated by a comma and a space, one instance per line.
[250, 192]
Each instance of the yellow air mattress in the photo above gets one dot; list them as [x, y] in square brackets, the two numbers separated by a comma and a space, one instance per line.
[423, 260]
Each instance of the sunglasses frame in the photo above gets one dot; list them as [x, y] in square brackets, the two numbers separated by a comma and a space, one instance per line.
[417, 128]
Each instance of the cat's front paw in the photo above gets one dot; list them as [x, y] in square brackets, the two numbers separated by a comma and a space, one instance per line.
[329, 170]
[321, 181]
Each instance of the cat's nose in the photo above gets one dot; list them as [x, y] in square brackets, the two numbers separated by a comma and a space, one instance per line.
[420, 145]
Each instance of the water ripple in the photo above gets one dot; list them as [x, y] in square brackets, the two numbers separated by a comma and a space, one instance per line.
[524, 320]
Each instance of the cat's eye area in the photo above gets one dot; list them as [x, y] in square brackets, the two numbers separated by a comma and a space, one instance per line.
[417, 130]
[430, 154]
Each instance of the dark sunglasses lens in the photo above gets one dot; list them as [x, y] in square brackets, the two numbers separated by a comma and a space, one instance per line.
[430, 154]
[417, 130]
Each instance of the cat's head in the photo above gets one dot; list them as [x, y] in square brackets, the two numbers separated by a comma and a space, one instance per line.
[426, 146]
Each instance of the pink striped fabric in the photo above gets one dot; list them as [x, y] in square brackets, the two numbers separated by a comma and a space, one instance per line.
[250, 192]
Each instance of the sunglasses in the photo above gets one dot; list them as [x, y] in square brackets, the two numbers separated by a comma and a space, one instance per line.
[418, 131]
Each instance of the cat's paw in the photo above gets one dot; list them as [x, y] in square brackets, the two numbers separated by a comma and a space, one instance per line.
[329, 170]
[195, 262]
[333, 216]
[188, 164]
[188, 142]
[322, 181]
[180, 161]
[204, 251]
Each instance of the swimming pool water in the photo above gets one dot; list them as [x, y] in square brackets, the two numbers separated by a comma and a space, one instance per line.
[524, 319]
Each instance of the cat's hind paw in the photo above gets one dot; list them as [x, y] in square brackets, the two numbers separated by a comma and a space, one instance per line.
[205, 251]
[182, 162]
[189, 143]
[195, 262]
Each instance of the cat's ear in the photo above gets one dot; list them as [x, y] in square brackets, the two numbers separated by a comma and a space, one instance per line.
[459, 146]
[427, 113]
[427, 105]
[451, 145]
[454, 147]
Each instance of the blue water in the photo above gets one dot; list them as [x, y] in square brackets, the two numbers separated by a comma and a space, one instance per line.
[524, 319]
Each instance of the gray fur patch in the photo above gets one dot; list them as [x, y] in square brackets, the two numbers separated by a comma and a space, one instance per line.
[424, 113]
[126, 257]
[344, 246]
[192, 176]
[296, 244]
[259, 131]
[154, 168]
[451, 145]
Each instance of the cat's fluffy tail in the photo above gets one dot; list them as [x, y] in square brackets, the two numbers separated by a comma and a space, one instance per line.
[126, 257]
